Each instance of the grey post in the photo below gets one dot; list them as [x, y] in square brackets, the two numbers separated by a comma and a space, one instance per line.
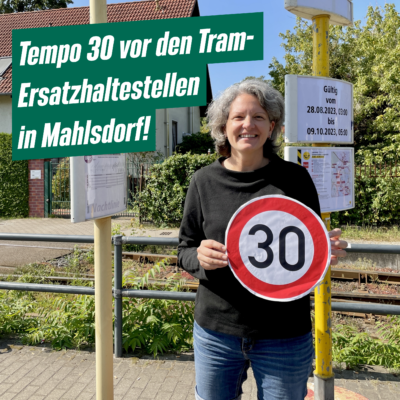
[117, 239]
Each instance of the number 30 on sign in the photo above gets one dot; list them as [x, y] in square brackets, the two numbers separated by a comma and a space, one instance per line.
[278, 248]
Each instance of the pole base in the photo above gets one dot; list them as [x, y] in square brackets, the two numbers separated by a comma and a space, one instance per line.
[324, 388]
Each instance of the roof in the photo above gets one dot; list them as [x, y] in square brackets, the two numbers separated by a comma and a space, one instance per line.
[5, 81]
[5, 75]
[120, 12]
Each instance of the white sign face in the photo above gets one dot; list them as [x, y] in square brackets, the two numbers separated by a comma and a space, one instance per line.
[318, 110]
[332, 171]
[340, 11]
[256, 259]
[36, 174]
[277, 248]
[98, 186]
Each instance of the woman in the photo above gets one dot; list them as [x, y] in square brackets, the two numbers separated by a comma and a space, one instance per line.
[232, 326]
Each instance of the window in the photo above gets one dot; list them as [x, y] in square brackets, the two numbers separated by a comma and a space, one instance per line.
[174, 135]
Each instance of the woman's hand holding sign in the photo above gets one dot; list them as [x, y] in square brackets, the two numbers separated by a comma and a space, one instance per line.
[337, 246]
[211, 255]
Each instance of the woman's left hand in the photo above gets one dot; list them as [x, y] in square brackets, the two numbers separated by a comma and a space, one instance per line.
[337, 246]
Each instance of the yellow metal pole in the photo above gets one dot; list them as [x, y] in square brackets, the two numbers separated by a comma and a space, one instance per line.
[322, 295]
[103, 275]
[321, 45]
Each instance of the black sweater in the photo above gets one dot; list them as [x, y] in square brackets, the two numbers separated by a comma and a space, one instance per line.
[222, 303]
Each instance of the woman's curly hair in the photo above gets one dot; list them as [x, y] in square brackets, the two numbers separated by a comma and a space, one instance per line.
[270, 100]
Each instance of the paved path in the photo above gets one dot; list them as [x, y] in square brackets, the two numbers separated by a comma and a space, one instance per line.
[38, 373]
[13, 253]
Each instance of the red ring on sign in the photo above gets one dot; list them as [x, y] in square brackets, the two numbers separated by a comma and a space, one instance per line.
[321, 250]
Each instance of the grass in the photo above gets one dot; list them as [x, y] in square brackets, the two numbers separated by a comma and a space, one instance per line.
[371, 234]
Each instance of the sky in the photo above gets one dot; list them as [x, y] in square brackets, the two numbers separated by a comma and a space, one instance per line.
[276, 20]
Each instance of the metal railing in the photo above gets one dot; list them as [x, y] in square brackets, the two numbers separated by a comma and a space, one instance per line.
[119, 292]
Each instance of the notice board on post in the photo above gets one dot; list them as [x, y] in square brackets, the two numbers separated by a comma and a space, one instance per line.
[318, 110]
[98, 186]
[332, 171]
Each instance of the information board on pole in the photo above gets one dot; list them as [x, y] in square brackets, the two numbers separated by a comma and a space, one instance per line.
[98, 186]
[340, 11]
[93, 89]
[332, 171]
[318, 110]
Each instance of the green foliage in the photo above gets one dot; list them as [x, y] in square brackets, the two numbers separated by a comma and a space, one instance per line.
[367, 57]
[377, 202]
[155, 326]
[67, 321]
[15, 313]
[164, 195]
[12, 6]
[137, 248]
[196, 143]
[14, 187]
[204, 126]
[64, 323]
[354, 348]
[60, 185]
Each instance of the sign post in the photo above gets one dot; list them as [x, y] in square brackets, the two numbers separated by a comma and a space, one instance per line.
[337, 115]
[102, 274]
[323, 374]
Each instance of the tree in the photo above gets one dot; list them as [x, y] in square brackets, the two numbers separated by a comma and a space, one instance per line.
[366, 56]
[12, 6]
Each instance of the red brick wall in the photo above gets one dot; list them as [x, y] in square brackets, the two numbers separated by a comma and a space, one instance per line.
[36, 190]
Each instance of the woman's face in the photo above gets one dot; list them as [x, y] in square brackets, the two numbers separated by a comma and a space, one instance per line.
[248, 126]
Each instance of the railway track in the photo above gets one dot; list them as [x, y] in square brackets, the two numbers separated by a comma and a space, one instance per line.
[354, 296]
[360, 276]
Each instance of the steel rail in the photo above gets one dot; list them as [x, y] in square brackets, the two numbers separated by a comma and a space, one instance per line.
[47, 238]
[193, 286]
[373, 248]
[353, 247]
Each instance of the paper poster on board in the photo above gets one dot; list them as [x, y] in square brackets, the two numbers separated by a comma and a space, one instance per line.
[98, 186]
[332, 171]
[318, 110]
[105, 185]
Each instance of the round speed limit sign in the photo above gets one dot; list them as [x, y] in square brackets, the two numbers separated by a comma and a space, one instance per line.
[278, 248]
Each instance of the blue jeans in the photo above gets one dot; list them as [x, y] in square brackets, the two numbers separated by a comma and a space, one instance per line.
[281, 367]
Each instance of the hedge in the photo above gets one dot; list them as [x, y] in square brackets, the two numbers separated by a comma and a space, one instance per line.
[196, 143]
[377, 203]
[377, 199]
[14, 186]
[164, 194]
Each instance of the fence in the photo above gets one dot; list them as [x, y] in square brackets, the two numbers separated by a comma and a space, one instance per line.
[119, 292]
[377, 170]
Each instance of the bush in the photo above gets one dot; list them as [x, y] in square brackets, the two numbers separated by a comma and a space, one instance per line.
[150, 326]
[60, 185]
[14, 186]
[196, 143]
[356, 348]
[164, 194]
[377, 202]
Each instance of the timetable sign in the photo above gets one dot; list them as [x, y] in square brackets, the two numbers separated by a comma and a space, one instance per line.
[318, 110]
